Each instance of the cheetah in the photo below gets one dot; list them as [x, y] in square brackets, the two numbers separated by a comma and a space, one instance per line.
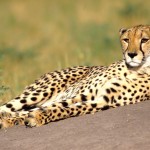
[81, 90]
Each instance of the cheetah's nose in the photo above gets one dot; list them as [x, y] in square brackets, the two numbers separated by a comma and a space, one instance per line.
[132, 55]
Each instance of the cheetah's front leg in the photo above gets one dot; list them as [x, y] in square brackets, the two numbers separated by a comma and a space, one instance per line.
[58, 112]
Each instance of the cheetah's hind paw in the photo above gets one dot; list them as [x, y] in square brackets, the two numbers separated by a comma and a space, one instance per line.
[11, 121]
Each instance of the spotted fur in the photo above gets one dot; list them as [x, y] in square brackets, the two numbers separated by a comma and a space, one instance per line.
[80, 90]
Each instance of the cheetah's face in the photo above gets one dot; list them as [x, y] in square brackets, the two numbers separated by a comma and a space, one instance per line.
[135, 43]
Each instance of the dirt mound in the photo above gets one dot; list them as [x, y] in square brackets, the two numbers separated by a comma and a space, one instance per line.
[121, 128]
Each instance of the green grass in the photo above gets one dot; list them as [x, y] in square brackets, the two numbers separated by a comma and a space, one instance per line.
[41, 36]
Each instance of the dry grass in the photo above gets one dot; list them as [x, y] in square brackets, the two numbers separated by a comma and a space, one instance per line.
[41, 36]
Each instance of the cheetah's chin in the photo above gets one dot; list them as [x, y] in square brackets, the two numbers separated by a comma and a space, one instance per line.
[133, 64]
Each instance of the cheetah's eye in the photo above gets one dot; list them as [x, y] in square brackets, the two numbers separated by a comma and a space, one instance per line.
[126, 40]
[144, 40]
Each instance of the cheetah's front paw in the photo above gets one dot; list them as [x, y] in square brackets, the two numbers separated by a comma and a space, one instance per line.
[35, 119]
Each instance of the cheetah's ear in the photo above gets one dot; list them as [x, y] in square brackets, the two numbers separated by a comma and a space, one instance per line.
[122, 30]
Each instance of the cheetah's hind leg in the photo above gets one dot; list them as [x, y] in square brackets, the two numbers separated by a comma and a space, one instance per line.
[8, 120]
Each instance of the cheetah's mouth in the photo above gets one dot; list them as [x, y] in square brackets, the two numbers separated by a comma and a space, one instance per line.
[133, 64]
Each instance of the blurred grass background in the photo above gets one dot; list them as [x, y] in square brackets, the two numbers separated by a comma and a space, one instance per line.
[41, 36]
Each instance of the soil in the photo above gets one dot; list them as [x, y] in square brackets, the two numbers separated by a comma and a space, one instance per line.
[122, 128]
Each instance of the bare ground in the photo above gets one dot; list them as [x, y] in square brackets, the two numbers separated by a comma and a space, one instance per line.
[121, 128]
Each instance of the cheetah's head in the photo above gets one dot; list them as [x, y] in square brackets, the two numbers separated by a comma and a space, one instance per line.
[135, 43]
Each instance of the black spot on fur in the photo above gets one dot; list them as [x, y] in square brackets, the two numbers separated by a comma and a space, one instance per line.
[94, 105]
[106, 98]
[53, 105]
[33, 98]
[52, 89]
[125, 74]
[23, 101]
[123, 93]
[55, 110]
[65, 80]
[67, 76]
[53, 84]
[130, 99]
[72, 109]
[8, 105]
[83, 97]
[96, 91]
[124, 87]
[12, 109]
[61, 110]
[63, 85]
[129, 90]
[113, 90]
[28, 107]
[91, 90]
[65, 104]
[71, 113]
[91, 109]
[84, 109]
[125, 98]
[116, 84]
[35, 94]
[132, 94]
[45, 94]
[80, 72]
[26, 93]
[112, 99]
[108, 91]
[79, 106]
[117, 104]
[95, 85]
[17, 97]
[92, 98]
[38, 91]
[105, 107]
[119, 97]
[78, 113]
